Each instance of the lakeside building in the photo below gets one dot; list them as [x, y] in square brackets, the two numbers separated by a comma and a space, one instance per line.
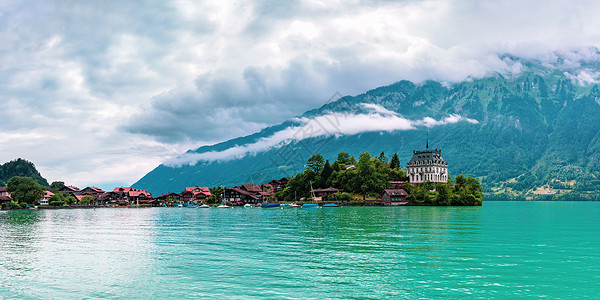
[194, 194]
[394, 197]
[427, 165]
[4, 195]
[247, 193]
[46, 197]
[93, 191]
[127, 196]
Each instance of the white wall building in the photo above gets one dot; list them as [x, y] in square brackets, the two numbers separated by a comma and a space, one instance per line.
[427, 165]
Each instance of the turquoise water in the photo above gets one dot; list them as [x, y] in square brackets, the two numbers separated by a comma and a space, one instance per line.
[501, 250]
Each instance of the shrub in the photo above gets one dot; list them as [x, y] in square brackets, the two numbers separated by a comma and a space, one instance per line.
[57, 203]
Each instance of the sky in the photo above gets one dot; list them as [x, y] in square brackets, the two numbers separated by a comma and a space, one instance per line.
[98, 93]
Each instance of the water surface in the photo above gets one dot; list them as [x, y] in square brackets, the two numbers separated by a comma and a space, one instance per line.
[501, 250]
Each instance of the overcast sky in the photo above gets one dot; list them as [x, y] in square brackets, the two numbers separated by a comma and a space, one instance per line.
[101, 92]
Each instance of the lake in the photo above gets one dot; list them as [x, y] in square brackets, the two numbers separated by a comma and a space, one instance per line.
[501, 250]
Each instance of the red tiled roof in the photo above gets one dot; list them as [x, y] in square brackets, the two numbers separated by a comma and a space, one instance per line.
[395, 192]
[48, 194]
[70, 188]
[253, 188]
[244, 192]
[2, 189]
[5, 198]
[132, 192]
[95, 189]
[201, 188]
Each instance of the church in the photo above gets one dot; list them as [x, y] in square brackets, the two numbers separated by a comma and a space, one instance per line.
[427, 165]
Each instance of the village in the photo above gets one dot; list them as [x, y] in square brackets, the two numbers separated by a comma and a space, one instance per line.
[369, 181]
[253, 194]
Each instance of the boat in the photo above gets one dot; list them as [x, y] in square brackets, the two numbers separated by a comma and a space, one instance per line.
[312, 196]
[270, 205]
[285, 205]
[294, 205]
[248, 205]
[330, 205]
[204, 206]
[223, 206]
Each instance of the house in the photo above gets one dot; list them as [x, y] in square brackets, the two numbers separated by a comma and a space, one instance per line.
[427, 165]
[70, 190]
[93, 191]
[46, 197]
[194, 194]
[237, 194]
[246, 193]
[125, 196]
[4, 195]
[279, 184]
[325, 192]
[394, 197]
[168, 197]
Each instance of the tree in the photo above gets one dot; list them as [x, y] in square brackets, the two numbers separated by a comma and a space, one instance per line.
[343, 158]
[70, 200]
[57, 199]
[443, 194]
[326, 174]
[395, 162]
[382, 158]
[316, 163]
[87, 200]
[25, 189]
[216, 195]
[55, 186]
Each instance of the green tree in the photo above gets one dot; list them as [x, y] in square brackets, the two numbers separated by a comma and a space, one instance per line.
[382, 158]
[316, 163]
[343, 158]
[25, 189]
[87, 200]
[57, 199]
[55, 186]
[395, 162]
[216, 195]
[443, 194]
[70, 200]
[325, 175]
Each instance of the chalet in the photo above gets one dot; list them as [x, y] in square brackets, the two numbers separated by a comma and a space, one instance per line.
[46, 197]
[394, 197]
[237, 194]
[4, 195]
[93, 191]
[325, 192]
[279, 184]
[194, 194]
[126, 196]
[247, 193]
[70, 190]
[174, 197]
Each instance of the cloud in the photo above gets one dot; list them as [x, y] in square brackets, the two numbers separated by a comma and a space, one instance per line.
[332, 124]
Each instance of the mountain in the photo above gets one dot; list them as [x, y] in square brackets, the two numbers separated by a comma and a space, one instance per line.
[20, 167]
[526, 134]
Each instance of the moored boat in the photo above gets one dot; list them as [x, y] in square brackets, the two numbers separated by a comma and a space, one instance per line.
[223, 206]
[248, 205]
[330, 205]
[310, 205]
[204, 206]
[270, 205]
